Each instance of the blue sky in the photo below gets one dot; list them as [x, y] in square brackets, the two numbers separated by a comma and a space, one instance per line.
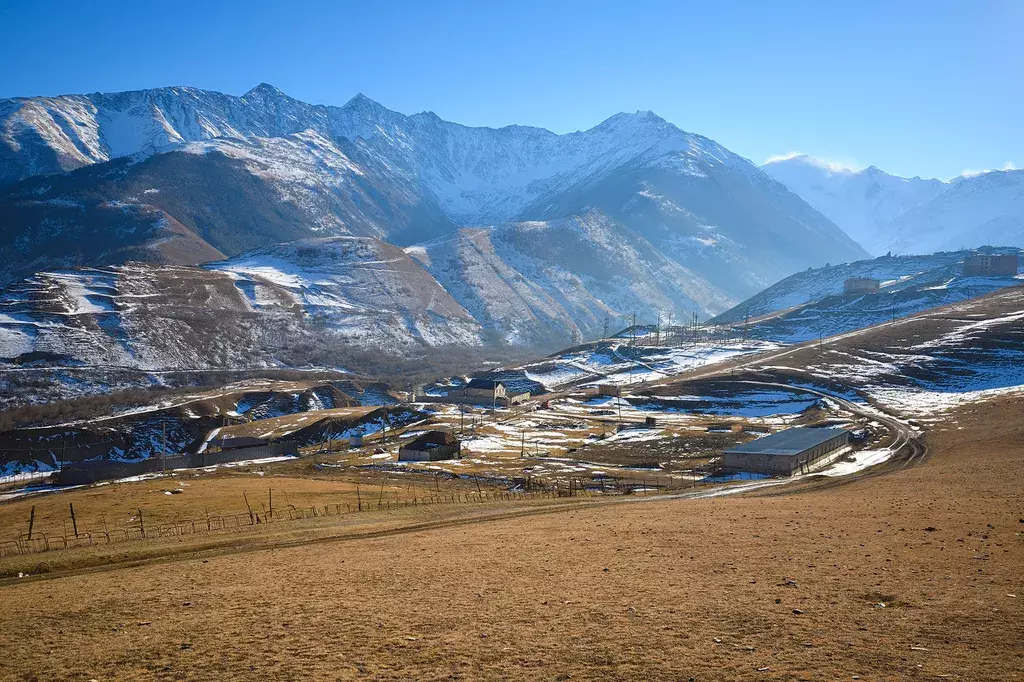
[917, 88]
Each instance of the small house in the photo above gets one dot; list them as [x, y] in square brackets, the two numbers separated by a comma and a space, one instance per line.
[861, 285]
[431, 446]
[486, 390]
[991, 265]
[494, 392]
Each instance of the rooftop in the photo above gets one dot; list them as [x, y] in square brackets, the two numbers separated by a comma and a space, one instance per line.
[431, 440]
[484, 383]
[788, 442]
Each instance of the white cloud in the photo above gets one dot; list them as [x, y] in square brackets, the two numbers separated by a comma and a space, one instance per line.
[833, 166]
[1008, 166]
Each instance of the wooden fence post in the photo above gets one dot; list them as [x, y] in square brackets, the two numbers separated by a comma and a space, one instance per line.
[74, 521]
[244, 497]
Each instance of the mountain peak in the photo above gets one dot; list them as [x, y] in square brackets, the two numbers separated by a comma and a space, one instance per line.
[639, 120]
[361, 100]
[795, 160]
[265, 90]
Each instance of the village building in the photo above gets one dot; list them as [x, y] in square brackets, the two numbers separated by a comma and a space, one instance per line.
[486, 390]
[991, 265]
[430, 447]
[495, 392]
[861, 285]
[793, 451]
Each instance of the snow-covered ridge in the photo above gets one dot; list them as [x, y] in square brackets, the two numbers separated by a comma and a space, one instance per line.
[863, 203]
[236, 173]
[895, 273]
[910, 215]
[256, 311]
[477, 173]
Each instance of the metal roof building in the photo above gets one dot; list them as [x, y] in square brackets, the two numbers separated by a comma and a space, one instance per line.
[787, 452]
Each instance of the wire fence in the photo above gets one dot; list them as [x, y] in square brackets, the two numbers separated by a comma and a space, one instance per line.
[30, 543]
[36, 542]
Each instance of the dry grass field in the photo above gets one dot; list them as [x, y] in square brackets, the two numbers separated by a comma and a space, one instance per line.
[772, 587]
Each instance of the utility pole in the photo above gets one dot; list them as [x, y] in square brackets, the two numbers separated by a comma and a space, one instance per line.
[657, 331]
[633, 327]
[163, 454]
[607, 322]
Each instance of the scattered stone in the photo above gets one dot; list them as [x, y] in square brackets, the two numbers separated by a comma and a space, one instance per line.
[145, 622]
[798, 612]
[930, 529]
[919, 648]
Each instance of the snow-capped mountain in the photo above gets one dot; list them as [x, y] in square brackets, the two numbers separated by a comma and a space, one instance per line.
[536, 282]
[981, 209]
[239, 173]
[279, 306]
[44, 135]
[863, 203]
[364, 291]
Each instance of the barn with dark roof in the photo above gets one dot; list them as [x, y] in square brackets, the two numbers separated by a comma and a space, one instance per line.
[798, 450]
[431, 446]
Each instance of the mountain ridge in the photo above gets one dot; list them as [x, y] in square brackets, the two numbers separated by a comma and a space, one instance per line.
[886, 213]
[240, 173]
